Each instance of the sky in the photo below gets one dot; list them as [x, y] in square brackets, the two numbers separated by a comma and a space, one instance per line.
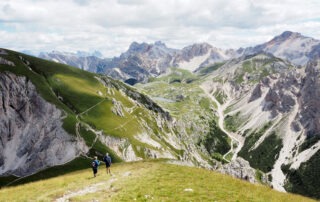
[110, 26]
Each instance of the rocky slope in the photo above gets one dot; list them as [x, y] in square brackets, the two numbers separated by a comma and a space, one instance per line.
[31, 132]
[274, 106]
[180, 93]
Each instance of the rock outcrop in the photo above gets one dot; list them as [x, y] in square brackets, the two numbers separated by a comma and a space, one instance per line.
[6, 62]
[240, 168]
[117, 108]
[31, 133]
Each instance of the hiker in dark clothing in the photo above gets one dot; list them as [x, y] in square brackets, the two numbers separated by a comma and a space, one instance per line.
[95, 164]
[107, 160]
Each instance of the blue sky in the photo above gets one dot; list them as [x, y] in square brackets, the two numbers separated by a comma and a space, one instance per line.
[111, 25]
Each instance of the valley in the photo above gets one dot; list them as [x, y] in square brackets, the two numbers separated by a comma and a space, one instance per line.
[236, 140]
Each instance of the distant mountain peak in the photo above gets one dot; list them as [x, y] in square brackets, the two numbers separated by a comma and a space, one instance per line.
[287, 35]
[160, 43]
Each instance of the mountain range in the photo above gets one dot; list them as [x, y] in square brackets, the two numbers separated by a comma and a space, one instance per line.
[142, 61]
[252, 113]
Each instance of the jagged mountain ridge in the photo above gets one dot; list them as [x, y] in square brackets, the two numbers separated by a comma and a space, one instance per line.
[142, 61]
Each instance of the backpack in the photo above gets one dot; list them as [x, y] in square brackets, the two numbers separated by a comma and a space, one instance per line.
[93, 164]
[107, 160]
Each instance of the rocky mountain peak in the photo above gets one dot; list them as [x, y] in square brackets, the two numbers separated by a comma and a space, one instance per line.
[136, 47]
[286, 36]
[160, 44]
[196, 49]
[156, 50]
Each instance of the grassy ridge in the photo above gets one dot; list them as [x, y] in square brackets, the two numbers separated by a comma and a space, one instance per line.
[143, 181]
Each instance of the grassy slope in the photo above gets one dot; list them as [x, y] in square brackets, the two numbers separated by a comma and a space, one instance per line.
[80, 90]
[179, 82]
[153, 180]
[206, 70]
[75, 91]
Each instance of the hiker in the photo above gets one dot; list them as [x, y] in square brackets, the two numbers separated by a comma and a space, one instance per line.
[95, 164]
[107, 160]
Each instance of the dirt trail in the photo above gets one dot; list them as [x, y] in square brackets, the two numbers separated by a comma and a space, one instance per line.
[93, 187]
[234, 137]
[87, 190]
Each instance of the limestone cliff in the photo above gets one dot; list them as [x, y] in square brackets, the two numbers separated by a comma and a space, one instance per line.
[31, 132]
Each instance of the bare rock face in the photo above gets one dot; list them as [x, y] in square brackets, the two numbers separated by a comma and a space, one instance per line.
[256, 93]
[292, 89]
[309, 114]
[281, 96]
[240, 168]
[117, 108]
[6, 62]
[31, 133]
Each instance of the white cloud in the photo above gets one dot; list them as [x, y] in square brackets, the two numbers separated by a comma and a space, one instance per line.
[111, 25]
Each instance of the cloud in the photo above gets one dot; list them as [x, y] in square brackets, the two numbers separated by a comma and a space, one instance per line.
[111, 25]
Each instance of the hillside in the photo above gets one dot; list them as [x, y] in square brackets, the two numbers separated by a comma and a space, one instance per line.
[145, 181]
[179, 93]
[253, 117]
[53, 113]
[269, 105]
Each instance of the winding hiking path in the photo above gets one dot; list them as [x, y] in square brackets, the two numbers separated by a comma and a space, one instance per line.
[234, 137]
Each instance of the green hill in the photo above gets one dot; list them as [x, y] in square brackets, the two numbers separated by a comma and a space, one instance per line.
[145, 181]
[97, 107]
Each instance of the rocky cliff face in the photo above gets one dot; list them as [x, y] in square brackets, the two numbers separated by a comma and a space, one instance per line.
[31, 133]
[308, 99]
